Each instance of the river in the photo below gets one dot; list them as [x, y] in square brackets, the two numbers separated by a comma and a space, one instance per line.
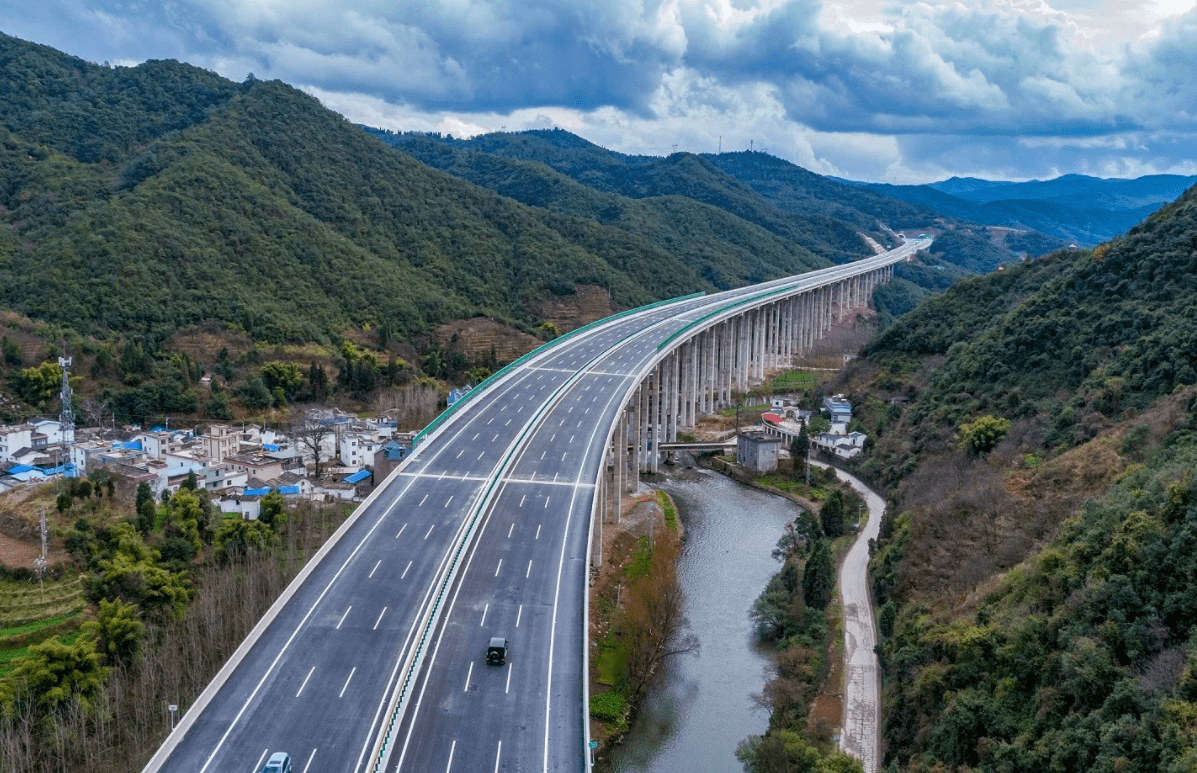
[694, 717]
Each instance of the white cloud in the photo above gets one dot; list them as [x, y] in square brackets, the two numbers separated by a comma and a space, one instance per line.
[866, 88]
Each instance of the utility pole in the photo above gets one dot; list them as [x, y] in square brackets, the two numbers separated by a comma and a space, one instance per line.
[808, 461]
[39, 563]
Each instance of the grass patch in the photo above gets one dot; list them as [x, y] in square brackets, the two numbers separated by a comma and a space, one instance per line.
[793, 380]
[8, 656]
[670, 510]
[729, 412]
[17, 630]
[610, 707]
[641, 561]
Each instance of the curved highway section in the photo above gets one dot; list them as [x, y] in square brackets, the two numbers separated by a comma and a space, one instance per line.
[374, 657]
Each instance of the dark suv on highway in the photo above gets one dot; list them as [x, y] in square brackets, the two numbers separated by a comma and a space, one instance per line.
[496, 651]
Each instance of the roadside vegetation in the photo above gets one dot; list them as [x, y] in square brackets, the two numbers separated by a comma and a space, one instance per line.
[638, 622]
[155, 598]
[1036, 432]
[1083, 657]
[798, 616]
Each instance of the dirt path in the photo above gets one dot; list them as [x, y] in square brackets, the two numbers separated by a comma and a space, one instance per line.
[862, 692]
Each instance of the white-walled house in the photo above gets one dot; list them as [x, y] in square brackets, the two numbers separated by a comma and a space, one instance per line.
[14, 438]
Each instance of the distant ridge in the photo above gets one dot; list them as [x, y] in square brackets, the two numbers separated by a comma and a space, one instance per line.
[1086, 210]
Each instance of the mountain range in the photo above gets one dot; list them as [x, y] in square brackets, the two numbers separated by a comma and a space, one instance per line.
[1076, 208]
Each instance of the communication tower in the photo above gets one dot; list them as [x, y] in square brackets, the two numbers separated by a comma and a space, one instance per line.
[66, 417]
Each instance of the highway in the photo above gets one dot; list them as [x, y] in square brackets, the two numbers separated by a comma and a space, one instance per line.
[373, 659]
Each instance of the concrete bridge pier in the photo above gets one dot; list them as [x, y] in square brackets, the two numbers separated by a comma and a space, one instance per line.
[703, 373]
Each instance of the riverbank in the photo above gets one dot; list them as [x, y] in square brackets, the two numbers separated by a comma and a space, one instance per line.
[639, 557]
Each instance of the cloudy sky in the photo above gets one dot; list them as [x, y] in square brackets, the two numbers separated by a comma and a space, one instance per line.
[866, 89]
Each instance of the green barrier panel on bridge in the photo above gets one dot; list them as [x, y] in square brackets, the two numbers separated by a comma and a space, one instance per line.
[432, 425]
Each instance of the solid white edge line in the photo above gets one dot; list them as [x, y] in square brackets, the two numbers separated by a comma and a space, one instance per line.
[310, 757]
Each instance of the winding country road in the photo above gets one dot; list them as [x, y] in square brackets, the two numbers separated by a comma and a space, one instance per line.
[862, 691]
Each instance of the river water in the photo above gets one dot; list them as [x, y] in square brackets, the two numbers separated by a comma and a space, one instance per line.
[695, 715]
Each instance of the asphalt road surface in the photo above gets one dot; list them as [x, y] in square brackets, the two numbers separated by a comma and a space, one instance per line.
[377, 651]
[862, 690]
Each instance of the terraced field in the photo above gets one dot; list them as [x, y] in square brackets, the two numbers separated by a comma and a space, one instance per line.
[30, 614]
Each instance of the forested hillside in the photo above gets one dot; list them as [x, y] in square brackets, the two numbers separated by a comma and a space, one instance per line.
[1037, 430]
[194, 198]
[832, 234]
[822, 214]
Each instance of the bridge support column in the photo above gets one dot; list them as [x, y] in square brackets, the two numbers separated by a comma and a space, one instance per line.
[688, 383]
[743, 350]
[675, 399]
[596, 537]
[725, 363]
[621, 462]
[656, 393]
[759, 374]
[808, 320]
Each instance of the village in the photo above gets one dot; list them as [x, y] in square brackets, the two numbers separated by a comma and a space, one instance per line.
[330, 455]
[325, 455]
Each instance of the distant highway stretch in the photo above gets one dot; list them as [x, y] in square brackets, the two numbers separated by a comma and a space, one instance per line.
[374, 657]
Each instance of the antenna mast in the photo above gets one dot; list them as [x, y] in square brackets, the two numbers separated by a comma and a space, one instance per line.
[66, 415]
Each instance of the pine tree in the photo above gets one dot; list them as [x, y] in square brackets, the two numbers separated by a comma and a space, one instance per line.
[818, 577]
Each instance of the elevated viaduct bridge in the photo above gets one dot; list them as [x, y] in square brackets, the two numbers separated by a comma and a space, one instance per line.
[373, 658]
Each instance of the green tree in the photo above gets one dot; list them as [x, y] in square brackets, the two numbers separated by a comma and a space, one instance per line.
[237, 535]
[818, 578]
[37, 385]
[318, 383]
[798, 450]
[11, 352]
[253, 392]
[186, 518]
[218, 407]
[56, 673]
[144, 494]
[831, 514]
[63, 502]
[147, 517]
[818, 424]
[788, 751]
[284, 376]
[191, 483]
[272, 510]
[143, 582]
[980, 436]
[434, 363]
[117, 629]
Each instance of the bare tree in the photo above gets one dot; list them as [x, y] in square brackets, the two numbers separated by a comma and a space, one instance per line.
[414, 405]
[654, 622]
[95, 413]
[310, 432]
